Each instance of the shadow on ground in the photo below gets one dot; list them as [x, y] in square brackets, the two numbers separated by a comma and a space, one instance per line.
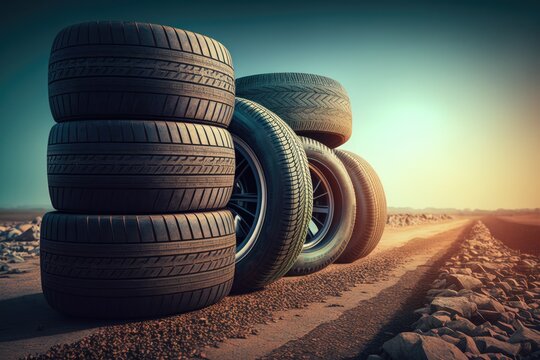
[404, 316]
[30, 316]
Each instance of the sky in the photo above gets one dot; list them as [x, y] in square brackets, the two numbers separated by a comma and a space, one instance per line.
[445, 94]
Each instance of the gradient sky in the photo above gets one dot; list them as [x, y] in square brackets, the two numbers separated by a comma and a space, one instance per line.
[445, 95]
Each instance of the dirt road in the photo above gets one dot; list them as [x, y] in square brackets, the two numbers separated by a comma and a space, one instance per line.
[278, 321]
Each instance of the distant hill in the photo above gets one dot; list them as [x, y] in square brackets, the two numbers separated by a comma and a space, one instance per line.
[409, 210]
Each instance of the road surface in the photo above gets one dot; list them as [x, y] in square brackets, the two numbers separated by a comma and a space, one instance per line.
[313, 316]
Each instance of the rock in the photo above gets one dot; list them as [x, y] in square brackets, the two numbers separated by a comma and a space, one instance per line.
[438, 283]
[13, 233]
[450, 339]
[524, 334]
[462, 325]
[28, 235]
[454, 305]
[427, 322]
[487, 329]
[490, 345]
[497, 356]
[23, 227]
[467, 344]
[422, 311]
[14, 258]
[447, 293]
[489, 315]
[509, 329]
[464, 281]
[414, 346]
[505, 287]
[518, 305]
[507, 317]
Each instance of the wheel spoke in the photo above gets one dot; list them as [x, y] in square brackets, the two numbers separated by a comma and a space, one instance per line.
[321, 209]
[244, 197]
[316, 186]
[320, 195]
[241, 211]
[241, 167]
[244, 226]
[319, 223]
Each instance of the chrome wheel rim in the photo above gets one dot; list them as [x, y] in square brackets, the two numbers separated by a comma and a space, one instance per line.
[323, 209]
[249, 197]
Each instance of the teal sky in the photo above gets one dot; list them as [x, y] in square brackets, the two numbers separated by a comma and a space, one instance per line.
[445, 95]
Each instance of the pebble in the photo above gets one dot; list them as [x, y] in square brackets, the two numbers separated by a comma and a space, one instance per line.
[401, 220]
[485, 304]
[18, 242]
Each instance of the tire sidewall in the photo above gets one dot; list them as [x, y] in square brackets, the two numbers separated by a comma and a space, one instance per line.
[340, 233]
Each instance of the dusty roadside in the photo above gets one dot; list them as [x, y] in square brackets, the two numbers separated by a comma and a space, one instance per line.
[237, 316]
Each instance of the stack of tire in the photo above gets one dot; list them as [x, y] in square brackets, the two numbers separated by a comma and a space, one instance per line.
[171, 192]
[349, 205]
[140, 168]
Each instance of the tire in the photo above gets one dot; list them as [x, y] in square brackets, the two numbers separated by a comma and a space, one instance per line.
[270, 245]
[370, 207]
[129, 70]
[329, 234]
[313, 106]
[129, 266]
[134, 167]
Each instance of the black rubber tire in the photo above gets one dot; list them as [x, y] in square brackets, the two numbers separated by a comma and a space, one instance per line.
[290, 195]
[134, 167]
[129, 266]
[340, 231]
[370, 207]
[314, 106]
[129, 70]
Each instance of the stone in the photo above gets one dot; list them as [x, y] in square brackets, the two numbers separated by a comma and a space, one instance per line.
[505, 287]
[467, 344]
[507, 317]
[438, 283]
[447, 293]
[488, 344]
[509, 329]
[14, 258]
[24, 227]
[454, 305]
[524, 334]
[412, 346]
[28, 235]
[462, 325]
[487, 329]
[13, 233]
[450, 339]
[518, 305]
[427, 322]
[489, 315]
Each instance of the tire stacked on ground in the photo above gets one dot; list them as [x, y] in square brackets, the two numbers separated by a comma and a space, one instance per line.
[272, 197]
[349, 209]
[140, 167]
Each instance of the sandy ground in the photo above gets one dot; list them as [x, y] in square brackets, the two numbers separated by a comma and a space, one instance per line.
[334, 331]
[531, 219]
[29, 326]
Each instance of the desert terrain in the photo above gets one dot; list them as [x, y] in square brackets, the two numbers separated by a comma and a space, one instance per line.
[373, 307]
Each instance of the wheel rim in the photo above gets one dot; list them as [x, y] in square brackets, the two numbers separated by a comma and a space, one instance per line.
[323, 209]
[248, 200]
